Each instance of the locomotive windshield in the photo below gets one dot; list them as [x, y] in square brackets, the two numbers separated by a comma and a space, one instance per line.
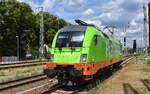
[70, 39]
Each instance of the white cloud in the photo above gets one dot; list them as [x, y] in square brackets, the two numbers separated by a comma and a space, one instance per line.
[88, 13]
[20, 0]
[46, 4]
[119, 13]
[133, 23]
[95, 22]
[122, 34]
[76, 3]
[111, 5]
[33, 5]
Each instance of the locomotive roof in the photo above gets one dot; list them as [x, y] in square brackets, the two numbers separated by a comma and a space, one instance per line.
[83, 29]
[73, 28]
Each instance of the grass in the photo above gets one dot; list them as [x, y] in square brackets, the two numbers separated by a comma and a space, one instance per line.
[93, 91]
[146, 68]
[148, 62]
[142, 90]
[18, 73]
[2, 73]
[141, 56]
[98, 88]
[103, 85]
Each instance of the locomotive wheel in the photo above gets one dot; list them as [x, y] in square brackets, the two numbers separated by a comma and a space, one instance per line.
[63, 82]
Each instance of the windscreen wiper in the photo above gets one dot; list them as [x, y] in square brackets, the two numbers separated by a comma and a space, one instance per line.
[72, 48]
[60, 46]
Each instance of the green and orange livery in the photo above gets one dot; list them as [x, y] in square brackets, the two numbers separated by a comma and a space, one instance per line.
[81, 51]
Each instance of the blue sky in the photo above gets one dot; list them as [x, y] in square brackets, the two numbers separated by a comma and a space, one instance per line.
[69, 9]
[100, 13]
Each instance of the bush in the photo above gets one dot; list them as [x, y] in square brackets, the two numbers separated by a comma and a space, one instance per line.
[148, 62]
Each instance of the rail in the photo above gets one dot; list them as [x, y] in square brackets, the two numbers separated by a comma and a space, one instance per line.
[19, 82]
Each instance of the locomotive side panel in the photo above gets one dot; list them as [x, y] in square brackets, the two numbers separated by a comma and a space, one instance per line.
[97, 51]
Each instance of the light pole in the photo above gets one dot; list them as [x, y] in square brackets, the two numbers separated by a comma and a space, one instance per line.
[18, 40]
[17, 46]
[125, 27]
[41, 42]
[58, 22]
[145, 34]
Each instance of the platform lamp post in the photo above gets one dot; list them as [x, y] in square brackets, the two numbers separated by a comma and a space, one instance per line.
[125, 36]
[128, 26]
[17, 47]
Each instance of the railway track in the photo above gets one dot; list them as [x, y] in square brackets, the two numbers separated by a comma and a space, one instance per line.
[4, 64]
[126, 60]
[16, 84]
[46, 86]
[58, 89]
[22, 64]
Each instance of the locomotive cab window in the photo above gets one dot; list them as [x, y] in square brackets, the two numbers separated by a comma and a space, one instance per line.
[70, 39]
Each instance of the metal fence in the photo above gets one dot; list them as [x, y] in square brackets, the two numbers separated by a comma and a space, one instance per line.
[9, 59]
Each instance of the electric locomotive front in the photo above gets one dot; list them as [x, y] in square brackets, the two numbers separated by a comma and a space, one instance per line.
[68, 56]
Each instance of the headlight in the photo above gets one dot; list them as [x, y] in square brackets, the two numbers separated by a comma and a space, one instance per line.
[52, 57]
[83, 58]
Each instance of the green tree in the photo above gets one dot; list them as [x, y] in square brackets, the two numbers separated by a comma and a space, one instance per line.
[18, 19]
[51, 25]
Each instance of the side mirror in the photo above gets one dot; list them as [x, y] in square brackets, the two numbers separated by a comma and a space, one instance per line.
[95, 40]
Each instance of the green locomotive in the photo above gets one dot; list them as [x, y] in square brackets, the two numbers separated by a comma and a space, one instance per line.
[81, 51]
